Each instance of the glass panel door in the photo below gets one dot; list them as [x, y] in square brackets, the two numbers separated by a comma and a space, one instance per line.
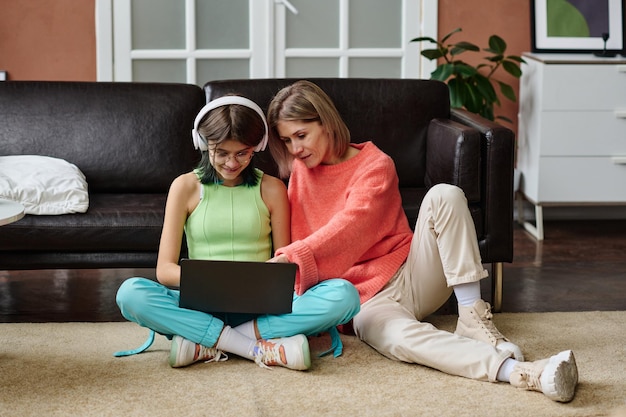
[195, 41]
[190, 41]
[352, 38]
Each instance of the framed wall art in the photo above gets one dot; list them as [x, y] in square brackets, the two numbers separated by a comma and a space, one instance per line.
[577, 26]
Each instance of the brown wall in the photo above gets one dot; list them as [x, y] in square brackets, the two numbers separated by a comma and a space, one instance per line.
[55, 39]
[48, 39]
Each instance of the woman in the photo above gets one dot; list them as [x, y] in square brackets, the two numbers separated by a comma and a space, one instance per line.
[229, 210]
[347, 220]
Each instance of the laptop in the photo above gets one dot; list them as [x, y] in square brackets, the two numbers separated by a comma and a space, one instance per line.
[237, 286]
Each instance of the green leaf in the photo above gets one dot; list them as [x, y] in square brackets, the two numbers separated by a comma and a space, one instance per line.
[464, 70]
[457, 93]
[474, 100]
[456, 51]
[495, 58]
[486, 88]
[497, 44]
[424, 38]
[465, 46]
[507, 91]
[432, 53]
[487, 113]
[512, 68]
[442, 72]
[445, 38]
[516, 58]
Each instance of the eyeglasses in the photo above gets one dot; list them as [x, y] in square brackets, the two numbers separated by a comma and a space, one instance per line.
[221, 157]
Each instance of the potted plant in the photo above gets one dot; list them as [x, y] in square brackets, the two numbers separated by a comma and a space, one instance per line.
[472, 87]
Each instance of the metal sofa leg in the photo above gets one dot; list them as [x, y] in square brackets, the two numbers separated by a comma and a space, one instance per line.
[496, 286]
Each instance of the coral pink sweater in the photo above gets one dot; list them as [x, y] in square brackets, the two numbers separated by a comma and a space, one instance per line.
[347, 222]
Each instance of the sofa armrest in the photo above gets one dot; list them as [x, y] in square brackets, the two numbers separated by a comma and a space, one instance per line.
[453, 157]
[497, 163]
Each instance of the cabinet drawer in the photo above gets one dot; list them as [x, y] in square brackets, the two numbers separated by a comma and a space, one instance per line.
[581, 180]
[584, 87]
[577, 133]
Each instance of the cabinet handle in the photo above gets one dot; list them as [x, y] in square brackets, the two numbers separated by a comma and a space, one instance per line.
[619, 160]
[620, 114]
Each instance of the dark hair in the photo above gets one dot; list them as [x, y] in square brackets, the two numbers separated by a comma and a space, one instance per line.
[232, 121]
[304, 101]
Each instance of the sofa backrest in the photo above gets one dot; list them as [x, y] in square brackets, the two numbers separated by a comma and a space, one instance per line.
[125, 137]
[393, 113]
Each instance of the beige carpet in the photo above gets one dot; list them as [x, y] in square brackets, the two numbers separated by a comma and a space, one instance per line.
[67, 369]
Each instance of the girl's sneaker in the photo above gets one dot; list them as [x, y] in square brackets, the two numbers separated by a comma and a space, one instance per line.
[290, 352]
[185, 352]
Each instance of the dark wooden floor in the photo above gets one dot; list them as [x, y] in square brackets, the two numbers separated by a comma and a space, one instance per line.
[580, 266]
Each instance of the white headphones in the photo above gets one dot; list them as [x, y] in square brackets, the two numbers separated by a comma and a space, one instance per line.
[199, 142]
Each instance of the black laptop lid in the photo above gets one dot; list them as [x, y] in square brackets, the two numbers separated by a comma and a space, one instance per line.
[236, 286]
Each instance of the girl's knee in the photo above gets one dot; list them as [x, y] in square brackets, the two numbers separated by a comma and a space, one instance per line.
[345, 295]
[339, 287]
[129, 292]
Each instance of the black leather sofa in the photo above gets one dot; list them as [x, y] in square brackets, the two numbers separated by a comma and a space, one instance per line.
[132, 139]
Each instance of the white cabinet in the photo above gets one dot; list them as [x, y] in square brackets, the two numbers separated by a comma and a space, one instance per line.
[572, 132]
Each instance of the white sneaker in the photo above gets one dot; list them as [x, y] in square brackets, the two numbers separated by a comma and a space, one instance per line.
[185, 352]
[476, 323]
[290, 352]
[556, 377]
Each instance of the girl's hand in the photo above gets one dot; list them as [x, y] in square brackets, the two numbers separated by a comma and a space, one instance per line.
[280, 259]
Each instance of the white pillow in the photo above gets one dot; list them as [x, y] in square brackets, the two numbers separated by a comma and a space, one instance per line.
[44, 185]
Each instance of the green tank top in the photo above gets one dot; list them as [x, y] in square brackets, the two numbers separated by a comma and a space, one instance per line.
[230, 223]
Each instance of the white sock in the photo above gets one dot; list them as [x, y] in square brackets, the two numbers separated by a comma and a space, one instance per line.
[232, 341]
[505, 371]
[468, 293]
[247, 329]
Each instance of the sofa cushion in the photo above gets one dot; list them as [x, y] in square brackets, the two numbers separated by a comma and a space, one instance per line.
[114, 222]
[44, 185]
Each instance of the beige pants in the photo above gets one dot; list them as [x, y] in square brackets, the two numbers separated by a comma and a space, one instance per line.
[444, 252]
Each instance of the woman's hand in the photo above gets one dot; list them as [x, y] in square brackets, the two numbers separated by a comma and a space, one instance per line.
[282, 258]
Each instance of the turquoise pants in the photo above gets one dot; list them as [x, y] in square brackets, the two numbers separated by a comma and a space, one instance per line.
[155, 306]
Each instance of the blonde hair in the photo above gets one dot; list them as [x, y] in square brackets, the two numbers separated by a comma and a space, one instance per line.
[304, 101]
